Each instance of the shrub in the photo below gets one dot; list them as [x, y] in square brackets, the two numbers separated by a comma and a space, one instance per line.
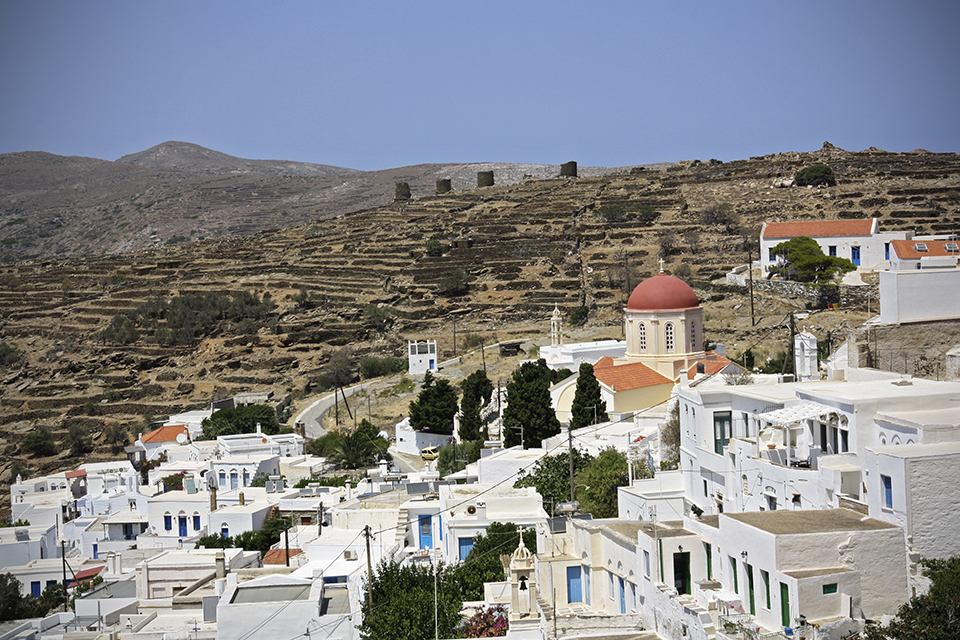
[579, 316]
[8, 354]
[78, 440]
[816, 175]
[611, 213]
[433, 247]
[375, 366]
[454, 284]
[40, 443]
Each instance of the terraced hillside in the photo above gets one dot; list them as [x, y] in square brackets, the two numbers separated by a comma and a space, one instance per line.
[365, 281]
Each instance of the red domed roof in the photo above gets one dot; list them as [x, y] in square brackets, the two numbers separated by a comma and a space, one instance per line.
[661, 293]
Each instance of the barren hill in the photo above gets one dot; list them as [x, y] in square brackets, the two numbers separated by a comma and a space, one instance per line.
[365, 280]
[185, 156]
[56, 206]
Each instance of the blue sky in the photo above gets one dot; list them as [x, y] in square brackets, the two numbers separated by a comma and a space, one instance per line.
[373, 85]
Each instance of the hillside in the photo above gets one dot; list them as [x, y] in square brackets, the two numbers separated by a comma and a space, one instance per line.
[365, 280]
[55, 206]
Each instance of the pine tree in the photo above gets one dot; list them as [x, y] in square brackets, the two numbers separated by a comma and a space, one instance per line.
[588, 406]
[529, 409]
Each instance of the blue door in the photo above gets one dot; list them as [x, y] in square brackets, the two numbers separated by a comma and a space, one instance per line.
[623, 598]
[95, 555]
[466, 544]
[183, 525]
[574, 591]
[426, 534]
[35, 589]
[855, 256]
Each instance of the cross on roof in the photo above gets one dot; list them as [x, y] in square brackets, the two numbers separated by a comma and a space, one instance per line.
[661, 265]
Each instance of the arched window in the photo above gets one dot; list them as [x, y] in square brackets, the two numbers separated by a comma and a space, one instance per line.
[246, 477]
[642, 336]
[668, 336]
[223, 477]
[225, 530]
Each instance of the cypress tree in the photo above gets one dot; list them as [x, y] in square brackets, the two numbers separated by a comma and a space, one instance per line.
[529, 409]
[435, 406]
[587, 399]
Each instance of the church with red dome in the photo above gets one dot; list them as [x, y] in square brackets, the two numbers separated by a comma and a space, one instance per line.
[663, 325]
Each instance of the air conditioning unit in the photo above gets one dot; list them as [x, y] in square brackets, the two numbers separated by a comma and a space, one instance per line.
[350, 554]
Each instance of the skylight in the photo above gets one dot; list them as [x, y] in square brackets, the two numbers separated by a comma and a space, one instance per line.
[951, 247]
[921, 247]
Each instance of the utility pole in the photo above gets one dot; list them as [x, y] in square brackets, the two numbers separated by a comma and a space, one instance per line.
[368, 535]
[570, 455]
[753, 322]
[320, 519]
[63, 555]
[286, 541]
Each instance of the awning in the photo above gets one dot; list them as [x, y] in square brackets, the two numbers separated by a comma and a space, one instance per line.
[791, 415]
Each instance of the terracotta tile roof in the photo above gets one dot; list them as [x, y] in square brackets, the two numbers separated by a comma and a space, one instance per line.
[75, 474]
[819, 228]
[635, 375]
[276, 556]
[85, 575]
[710, 366]
[605, 361]
[908, 248]
[166, 433]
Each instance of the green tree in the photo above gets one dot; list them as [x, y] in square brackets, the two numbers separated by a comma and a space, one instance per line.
[483, 563]
[816, 175]
[529, 409]
[403, 602]
[597, 483]
[39, 442]
[15, 606]
[454, 457]
[477, 390]
[803, 260]
[122, 329]
[479, 386]
[435, 406]
[933, 616]
[670, 439]
[433, 247]
[471, 423]
[588, 406]
[78, 440]
[360, 447]
[215, 541]
[228, 422]
[550, 476]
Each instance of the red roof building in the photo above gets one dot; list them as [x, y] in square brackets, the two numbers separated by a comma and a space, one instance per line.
[858, 240]
[167, 433]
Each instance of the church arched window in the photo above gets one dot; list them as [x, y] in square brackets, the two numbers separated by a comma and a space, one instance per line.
[642, 336]
[668, 337]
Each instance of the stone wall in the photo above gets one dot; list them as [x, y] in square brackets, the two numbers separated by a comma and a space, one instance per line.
[918, 349]
[845, 295]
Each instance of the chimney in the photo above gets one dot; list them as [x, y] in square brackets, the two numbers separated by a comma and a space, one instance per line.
[349, 488]
[242, 502]
[213, 499]
[221, 565]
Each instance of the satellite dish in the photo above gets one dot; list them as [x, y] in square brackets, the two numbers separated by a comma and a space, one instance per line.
[181, 438]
